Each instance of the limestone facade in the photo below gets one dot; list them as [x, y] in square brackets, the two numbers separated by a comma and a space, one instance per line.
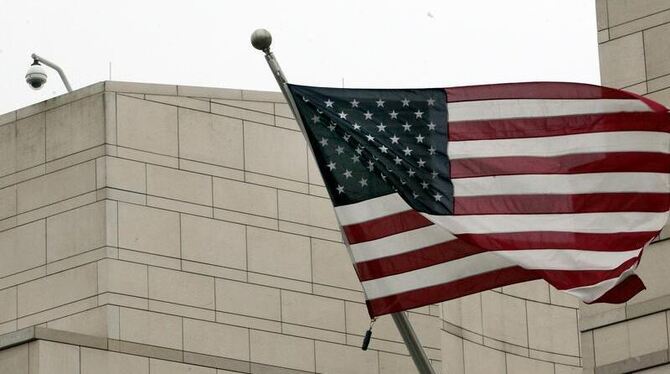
[171, 229]
[634, 55]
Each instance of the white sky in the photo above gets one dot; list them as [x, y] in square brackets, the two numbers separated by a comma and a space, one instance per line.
[368, 43]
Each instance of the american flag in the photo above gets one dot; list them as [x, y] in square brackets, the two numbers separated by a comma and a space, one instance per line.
[441, 193]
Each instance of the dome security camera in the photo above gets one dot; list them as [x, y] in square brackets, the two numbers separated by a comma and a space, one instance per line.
[36, 77]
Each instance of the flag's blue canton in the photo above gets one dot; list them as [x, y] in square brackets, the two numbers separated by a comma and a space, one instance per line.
[370, 143]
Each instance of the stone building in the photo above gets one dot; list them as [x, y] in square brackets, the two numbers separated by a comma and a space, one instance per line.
[634, 55]
[169, 229]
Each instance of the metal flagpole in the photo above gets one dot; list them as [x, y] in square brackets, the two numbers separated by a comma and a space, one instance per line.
[412, 343]
[261, 40]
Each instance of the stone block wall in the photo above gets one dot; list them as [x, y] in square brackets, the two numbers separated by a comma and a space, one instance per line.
[634, 55]
[524, 328]
[634, 52]
[172, 229]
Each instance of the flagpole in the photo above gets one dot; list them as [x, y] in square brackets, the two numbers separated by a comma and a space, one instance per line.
[261, 40]
[412, 343]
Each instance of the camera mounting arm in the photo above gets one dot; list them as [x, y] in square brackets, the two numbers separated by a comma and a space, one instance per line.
[55, 67]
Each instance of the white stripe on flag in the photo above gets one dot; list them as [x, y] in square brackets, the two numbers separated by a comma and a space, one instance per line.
[486, 262]
[434, 275]
[518, 108]
[590, 293]
[578, 222]
[568, 259]
[561, 184]
[406, 241]
[622, 141]
[564, 258]
[370, 209]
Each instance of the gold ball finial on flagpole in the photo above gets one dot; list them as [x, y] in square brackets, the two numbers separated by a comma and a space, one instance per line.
[261, 40]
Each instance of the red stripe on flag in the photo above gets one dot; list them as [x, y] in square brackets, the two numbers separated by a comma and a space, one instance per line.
[466, 246]
[385, 226]
[418, 259]
[555, 126]
[448, 291]
[649, 162]
[622, 292]
[622, 241]
[512, 204]
[656, 107]
[578, 203]
[534, 90]
[503, 277]
[567, 279]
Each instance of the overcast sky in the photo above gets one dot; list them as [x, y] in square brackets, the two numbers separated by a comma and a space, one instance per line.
[363, 43]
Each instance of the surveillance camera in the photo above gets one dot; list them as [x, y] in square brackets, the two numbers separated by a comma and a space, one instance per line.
[36, 77]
